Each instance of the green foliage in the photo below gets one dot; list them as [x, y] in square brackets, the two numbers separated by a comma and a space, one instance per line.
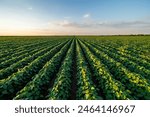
[100, 67]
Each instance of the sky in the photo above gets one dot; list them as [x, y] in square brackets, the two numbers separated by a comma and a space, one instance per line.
[74, 17]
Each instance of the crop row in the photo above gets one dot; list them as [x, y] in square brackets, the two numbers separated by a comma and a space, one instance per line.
[139, 86]
[79, 68]
[11, 85]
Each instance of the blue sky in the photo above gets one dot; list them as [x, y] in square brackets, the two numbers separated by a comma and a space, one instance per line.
[54, 17]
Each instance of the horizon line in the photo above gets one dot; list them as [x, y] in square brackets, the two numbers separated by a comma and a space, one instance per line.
[81, 35]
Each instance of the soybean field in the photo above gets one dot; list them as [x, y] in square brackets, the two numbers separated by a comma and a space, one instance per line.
[75, 67]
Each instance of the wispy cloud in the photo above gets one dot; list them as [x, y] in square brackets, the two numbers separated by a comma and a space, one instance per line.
[67, 17]
[30, 8]
[66, 23]
[117, 24]
[126, 24]
[86, 15]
